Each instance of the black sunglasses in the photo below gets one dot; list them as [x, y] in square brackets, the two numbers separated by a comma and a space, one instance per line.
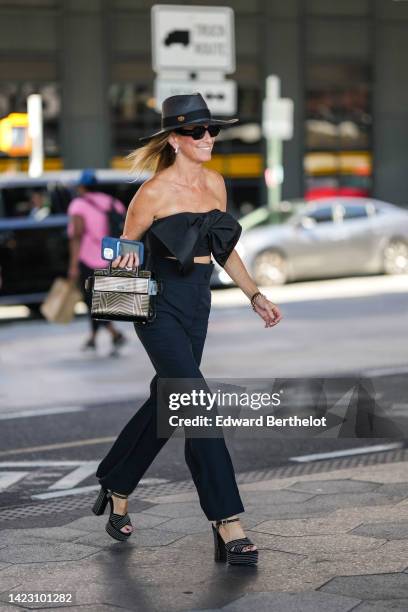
[198, 131]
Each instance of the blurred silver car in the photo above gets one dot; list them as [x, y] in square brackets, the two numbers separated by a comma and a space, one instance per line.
[338, 236]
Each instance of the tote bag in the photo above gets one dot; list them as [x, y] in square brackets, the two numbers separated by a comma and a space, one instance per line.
[59, 305]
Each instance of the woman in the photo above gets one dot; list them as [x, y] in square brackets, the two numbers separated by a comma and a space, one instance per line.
[183, 209]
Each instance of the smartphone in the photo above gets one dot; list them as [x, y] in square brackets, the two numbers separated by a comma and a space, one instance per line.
[115, 247]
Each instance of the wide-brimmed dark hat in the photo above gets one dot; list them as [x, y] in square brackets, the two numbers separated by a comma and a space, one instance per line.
[186, 109]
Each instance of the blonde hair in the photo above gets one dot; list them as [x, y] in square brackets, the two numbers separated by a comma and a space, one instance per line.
[156, 155]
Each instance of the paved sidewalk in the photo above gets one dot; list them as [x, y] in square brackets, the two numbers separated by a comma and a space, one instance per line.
[330, 542]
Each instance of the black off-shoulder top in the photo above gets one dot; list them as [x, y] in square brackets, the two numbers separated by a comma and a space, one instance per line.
[186, 234]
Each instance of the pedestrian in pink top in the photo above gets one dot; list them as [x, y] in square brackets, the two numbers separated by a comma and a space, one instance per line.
[88, 224]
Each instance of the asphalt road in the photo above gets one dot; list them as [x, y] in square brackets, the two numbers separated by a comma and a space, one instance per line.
[56, 424]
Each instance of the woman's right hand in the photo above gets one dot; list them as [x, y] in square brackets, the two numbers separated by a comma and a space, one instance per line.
[126, 262]
[267, 310]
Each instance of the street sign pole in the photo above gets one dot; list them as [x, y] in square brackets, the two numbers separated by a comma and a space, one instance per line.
[274, 174]
[277, 125]
[274, 152]
[35, 131]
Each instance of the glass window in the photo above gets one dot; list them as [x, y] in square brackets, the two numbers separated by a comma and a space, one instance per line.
[354, 211]
[338, 128]
[321, 215]
[132, 115]
[24, 201]
[338, 105]
[377, 209]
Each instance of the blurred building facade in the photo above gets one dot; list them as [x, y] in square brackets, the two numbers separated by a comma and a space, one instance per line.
[343, 62]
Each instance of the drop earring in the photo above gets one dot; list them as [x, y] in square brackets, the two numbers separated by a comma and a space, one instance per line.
[176, 149]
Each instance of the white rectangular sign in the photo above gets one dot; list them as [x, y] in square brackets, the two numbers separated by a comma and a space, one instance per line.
[193, 37]
[277, 118]
[221, 96]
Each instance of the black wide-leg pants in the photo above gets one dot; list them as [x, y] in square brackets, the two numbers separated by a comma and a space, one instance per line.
[174, 342]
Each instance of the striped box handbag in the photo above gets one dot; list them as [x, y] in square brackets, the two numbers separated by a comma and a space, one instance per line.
[123, 295]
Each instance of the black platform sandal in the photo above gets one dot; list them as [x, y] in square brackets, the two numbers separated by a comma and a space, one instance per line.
[116, 521]
[232, 551]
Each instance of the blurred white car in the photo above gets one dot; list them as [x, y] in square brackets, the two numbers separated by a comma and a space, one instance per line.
[327, 238]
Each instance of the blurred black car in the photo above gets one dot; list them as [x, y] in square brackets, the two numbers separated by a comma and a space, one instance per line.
[33, 229]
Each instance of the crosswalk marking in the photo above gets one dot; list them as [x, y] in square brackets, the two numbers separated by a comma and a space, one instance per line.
[20, 414]
[77, 491]
[83, 469]
[348, 452]
[45, 463]
[69, 481]
[34, 449]
[9, 478]
[88, 489]
[65, 485]
[152, 481]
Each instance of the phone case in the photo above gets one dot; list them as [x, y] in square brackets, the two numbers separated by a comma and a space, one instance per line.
[113, 247]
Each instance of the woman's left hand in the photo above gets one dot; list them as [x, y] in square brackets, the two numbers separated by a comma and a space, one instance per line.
[269, 311]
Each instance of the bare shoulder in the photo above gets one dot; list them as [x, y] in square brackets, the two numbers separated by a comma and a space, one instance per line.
[145, 200]
[216, 183]
[148, 188]
[141, 211]
[214, 177]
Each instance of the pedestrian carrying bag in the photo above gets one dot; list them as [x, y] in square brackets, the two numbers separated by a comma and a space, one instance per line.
[59, 305]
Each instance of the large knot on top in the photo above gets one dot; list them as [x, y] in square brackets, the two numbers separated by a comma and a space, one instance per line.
[181, 232]
[196, 230]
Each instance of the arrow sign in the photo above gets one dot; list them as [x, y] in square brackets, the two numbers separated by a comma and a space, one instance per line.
[220, 95]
